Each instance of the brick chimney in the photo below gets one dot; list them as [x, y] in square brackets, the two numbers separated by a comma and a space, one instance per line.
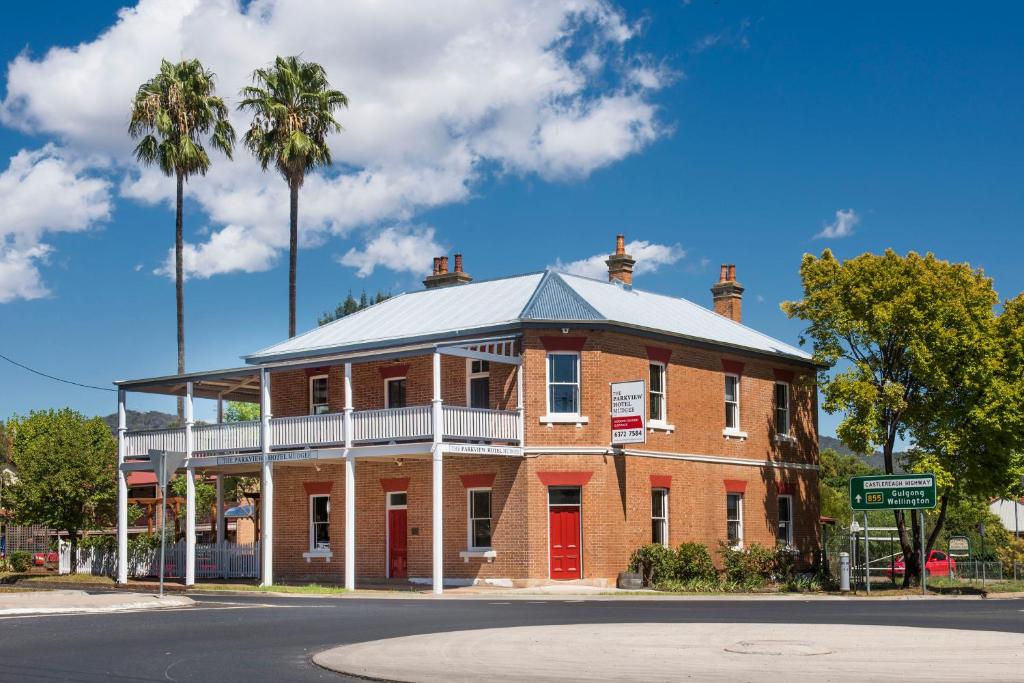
[620, 264]
[727, 293]
[441, 277]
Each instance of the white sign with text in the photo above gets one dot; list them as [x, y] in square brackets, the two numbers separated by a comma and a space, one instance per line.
[629, 424]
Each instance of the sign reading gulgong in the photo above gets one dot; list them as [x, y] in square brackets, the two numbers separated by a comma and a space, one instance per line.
[893, 492]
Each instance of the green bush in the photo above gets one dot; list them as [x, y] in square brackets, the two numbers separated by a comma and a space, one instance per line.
[706, 585]
[655, 563]
[694, 563]
[752, 566]
[99, 541]
[20, 561]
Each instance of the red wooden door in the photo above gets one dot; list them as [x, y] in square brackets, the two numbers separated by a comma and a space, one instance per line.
[565, 542]
[397, 548]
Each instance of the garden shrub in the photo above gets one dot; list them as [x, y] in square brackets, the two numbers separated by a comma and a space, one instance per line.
[655, 563]
[694, 563]
[101, 542]
[752, 566]
[20, 561]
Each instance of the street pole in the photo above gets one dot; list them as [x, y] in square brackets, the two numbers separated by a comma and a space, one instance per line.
[163, 523]
[924, 554]
[1016, 535]
[867, 555]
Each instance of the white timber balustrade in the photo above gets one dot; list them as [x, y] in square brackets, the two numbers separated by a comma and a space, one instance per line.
[232, 436]
[267, 485]
[350, 487]
[390, 424]
[437, 478]
[141, 442]
[308, 430]
[480, 423]
[122, 491]
[190, 491]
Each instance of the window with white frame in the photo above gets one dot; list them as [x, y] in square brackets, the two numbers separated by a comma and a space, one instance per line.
[479, 519]
[319, 523]
[318, 402]
[478, 383]
[785, 530]
[564, 383]
[734, 518]
[659, 516]
[394, 392]
[782, 408]
[656, 392]
[732, 402]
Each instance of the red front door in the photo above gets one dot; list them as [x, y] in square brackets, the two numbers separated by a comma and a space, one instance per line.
[565, 541]
[397, 551]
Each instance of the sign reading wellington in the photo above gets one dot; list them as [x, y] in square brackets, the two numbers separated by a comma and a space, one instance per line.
[893, 492]
[628, 415]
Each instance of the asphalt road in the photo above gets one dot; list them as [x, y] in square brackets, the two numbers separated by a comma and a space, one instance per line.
[260, 638]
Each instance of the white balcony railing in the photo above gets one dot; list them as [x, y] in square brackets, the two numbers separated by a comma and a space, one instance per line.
[392, 424]
[368, 426]
[480, 423]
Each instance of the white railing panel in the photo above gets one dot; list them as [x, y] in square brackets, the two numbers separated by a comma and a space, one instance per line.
[140, 442]
[307, 430]
[391, 424]
[480, 423]
[213, 560]
[229, 436]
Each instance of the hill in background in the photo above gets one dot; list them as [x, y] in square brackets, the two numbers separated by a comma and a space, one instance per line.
[153, 419]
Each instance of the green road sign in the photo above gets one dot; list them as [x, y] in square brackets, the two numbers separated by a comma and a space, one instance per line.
[893, 492]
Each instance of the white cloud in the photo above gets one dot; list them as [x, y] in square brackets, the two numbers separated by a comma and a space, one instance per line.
[733, 36]
[42, 192]
[401, 248]
[438, 93]
[649, 258]
[843, 225]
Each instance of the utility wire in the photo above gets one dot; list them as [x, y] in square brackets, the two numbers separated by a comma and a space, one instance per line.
[56, 379]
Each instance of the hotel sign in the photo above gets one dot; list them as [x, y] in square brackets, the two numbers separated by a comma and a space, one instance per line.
[257, 458]
[478, 449]
[893, 492]
[628, 415]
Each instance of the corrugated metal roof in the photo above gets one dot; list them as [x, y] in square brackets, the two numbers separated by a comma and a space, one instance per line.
[489, 305]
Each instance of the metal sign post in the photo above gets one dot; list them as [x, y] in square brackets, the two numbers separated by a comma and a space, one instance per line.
[867, 555]
[164, 464]
[924, 553]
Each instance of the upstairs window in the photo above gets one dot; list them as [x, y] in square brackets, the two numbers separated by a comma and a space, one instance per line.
[564, 383]
[659, 516]
[319, 523]
[318, 403]
[782, 409]
[480, 519]
[732, 402]
[656, 393]
[394, 392]
[478, 387]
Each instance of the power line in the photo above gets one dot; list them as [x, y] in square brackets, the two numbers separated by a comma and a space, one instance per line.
[56, 379]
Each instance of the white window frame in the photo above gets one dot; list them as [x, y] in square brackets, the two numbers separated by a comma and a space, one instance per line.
[734, 431]
[551, 417]
[739, 513]
[387, 392]
[788, 434]
[313, 550]
[664, 520]
[470, 518]
[470, 376]
[663, 370]
[789, 522]
[312, 406]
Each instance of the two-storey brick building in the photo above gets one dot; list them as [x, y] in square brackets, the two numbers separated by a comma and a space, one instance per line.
[463, 433]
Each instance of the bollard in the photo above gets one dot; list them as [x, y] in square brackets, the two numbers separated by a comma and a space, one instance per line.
[844, 572]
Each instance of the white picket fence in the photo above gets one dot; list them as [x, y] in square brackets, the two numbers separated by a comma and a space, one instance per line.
[213, 561]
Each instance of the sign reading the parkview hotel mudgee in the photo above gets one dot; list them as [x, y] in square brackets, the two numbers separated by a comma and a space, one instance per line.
[893, 492]
[628, 415]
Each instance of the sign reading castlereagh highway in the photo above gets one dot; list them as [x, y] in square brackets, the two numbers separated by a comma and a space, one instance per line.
[893, 492]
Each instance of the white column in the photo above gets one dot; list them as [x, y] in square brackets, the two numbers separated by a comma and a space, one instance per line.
[190, 492]
[220, 509]
[122, 491]
[350, 488]
[267, 485]
[438, 475]
[519, 403]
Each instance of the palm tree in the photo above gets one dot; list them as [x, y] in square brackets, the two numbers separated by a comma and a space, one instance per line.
[173, 112]
[293, 109]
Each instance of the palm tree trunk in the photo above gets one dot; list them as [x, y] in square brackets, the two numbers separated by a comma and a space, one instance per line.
[179, 286]
[293, 246]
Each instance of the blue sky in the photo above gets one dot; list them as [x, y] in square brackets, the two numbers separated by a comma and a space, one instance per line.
[716, 132]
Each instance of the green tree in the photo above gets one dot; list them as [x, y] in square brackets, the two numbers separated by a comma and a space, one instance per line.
[897, 336]
[67, 473]
[243, 488]
[206, 493]
[238, 411]
[293, 109]
[351, 305]
[173, 113]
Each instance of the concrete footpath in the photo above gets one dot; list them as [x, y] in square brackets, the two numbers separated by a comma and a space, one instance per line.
[673, 651]
[78, 601]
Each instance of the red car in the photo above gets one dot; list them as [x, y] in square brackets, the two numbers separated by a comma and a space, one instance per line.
[938, 564]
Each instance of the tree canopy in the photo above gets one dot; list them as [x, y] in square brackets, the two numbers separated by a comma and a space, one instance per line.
[352, 305]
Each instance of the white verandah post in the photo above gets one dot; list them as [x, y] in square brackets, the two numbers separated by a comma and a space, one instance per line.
[266, 485]
[437, 535]
[350, 488]
[520, 420]
[220, 553]
[190, 491]
[122, 491]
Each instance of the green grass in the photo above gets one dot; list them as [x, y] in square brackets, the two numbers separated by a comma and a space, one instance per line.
[309, 588]
[23, 579]
[990, 585]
